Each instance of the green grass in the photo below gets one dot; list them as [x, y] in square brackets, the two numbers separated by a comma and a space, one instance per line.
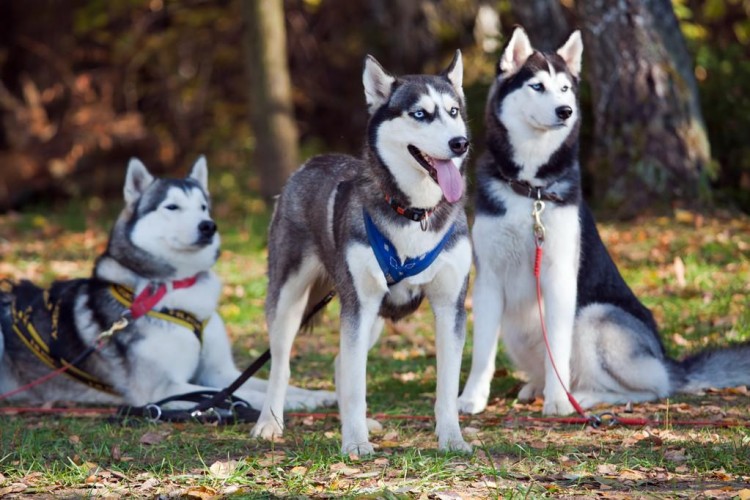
[69, 456]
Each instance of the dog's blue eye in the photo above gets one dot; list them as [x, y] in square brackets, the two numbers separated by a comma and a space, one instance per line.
[172, 207]
[418, 115]
[537, 87]
[453, 112]
[565, 88]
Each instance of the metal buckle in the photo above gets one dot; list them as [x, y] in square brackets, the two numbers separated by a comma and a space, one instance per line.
[536, 213]
[209, 412]
[157, 409]
[607, 418]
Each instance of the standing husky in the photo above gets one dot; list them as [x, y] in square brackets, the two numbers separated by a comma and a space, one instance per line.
[604, 341]
[164, 239]
[385, 231]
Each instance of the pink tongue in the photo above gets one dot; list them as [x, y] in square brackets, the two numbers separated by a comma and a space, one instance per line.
[449, 179]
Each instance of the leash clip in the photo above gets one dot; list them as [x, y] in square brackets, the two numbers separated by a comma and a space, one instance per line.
[536, 213]
[118, 325]
[607, 418]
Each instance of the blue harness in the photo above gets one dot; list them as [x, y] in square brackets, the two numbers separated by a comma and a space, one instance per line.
[392, 267]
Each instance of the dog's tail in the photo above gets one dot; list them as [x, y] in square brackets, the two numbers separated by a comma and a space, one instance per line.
[320, 295]
[720, 368]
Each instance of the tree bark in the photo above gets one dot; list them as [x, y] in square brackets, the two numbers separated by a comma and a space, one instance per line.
[544, 21]
[270, 94]
[650, 144]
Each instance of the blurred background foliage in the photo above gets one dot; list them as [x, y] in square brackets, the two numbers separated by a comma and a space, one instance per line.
[84, 85]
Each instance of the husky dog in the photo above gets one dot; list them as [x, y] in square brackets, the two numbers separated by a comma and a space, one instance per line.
[164, 239]
[604, 341]
[384, 231]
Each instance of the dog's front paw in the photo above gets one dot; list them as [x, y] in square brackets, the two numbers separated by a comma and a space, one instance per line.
[529, 392]
[454, 444]
[360, 449]
[472, 403]
[560, 406]
[267, 428]
[309, 400]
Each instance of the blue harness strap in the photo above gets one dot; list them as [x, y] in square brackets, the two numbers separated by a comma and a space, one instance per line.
[387, 257]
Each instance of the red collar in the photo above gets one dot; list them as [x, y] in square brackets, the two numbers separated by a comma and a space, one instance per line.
[152, 294]
[415, 214]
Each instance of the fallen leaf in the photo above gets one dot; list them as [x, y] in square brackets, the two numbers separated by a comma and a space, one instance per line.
[222, 469]
[391, 436]
[203, 492]
[13, 488]
[298, 470]
[344, 469]
[149, 483]
[74, 439]
[116, 454]
[744, 494]
[152, 438]
[676, 455]
[606, 469]
[471, 431]
[381, 461]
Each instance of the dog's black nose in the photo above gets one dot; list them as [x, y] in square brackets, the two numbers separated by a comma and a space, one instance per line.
[564, 112]
[207, 228]
[459, 145]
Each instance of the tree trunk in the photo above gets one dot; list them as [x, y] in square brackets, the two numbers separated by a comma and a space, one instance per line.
[650, 144]
[270, 94]
[544, 21]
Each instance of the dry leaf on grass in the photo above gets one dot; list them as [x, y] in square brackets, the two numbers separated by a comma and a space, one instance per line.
[202, 492]
[153, 437]
[344, 469]
[223, 469]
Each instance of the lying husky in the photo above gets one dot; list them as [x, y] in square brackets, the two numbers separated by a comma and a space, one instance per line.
[385, 231]
[164, 239]
[604, 341]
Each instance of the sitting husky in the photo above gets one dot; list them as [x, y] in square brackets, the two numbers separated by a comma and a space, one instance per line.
[384, 231]
[604, 341]
[164, 239]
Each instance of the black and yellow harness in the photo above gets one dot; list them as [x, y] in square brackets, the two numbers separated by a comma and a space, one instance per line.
[33, 309]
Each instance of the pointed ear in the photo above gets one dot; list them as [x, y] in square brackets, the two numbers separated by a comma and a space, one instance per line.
[199, 172]
[136, 181]
[572, 53]
[377, 84]
[455, 73]
[516, 52]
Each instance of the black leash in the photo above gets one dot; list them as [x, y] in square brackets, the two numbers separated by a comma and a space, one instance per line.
[215, 406]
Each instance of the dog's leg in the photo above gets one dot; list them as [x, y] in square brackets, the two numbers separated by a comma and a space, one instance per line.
[559, 288]
[284, 317]
[358, 324]
[450, 333]
[447, 296]
[488, 307]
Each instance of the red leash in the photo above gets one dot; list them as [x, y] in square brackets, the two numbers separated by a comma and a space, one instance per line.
[539, 234]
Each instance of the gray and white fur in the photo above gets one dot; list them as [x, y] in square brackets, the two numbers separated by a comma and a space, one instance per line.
[604, 341]
[415, 152]
[164, 233]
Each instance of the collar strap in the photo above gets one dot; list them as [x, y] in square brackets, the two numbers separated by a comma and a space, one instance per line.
[525, 188]
[387, 257]
[415, 214]
[125, 297]
[152, 295]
